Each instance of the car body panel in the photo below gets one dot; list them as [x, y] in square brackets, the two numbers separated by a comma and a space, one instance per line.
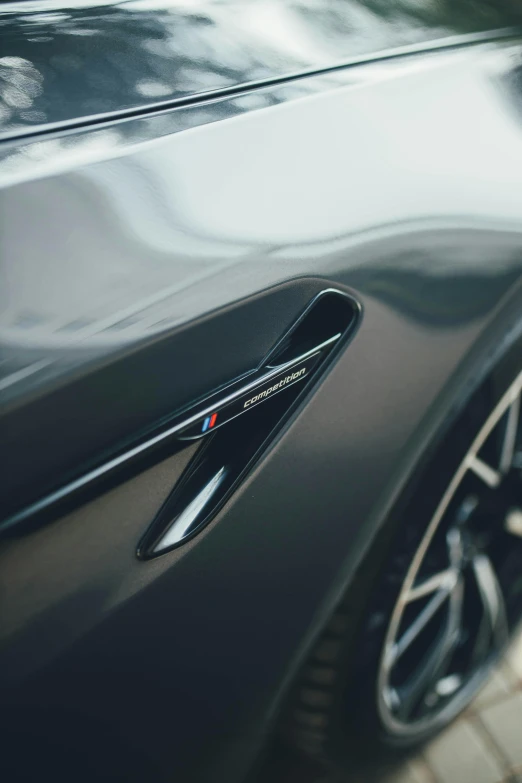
[74, 62]
[379, 180]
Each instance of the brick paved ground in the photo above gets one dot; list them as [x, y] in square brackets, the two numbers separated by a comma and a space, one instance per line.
[483, 746]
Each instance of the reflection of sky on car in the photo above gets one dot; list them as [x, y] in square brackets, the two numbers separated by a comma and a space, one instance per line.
[186, 209]
[177, 211]
[86, 60]
[20, 85]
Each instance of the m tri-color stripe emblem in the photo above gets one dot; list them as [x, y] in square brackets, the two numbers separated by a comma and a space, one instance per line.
[209, 422]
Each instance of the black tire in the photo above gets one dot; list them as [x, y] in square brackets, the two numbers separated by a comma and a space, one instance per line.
[333, 713]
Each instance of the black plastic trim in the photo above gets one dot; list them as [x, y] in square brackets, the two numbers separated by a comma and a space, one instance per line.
[167, 441]
[250, 418]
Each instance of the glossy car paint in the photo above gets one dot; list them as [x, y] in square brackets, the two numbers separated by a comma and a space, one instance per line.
[397, 181]
[78, 60]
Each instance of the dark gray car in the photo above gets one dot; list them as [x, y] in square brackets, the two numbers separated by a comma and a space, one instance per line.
[260, 376]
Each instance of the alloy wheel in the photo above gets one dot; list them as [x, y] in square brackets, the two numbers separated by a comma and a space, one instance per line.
[462, 594]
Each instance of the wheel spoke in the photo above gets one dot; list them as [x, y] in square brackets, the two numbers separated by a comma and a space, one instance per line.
[452, 632]
[483, 641]
[419, 624]
[489, 475]
[510, 436]
[455, 548]
[494, 610]
[443, 580]
[435, 664]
